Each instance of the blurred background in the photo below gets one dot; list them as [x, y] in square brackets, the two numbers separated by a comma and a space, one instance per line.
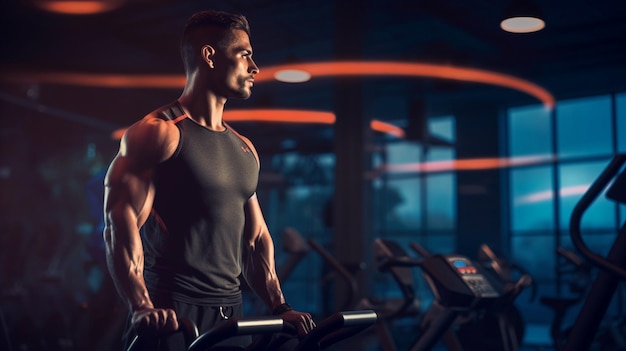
[448, 131]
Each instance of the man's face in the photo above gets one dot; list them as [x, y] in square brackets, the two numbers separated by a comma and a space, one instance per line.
[235, 68]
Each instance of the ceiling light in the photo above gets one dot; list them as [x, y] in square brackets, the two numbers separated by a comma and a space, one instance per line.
[292, 76]
[522, 16]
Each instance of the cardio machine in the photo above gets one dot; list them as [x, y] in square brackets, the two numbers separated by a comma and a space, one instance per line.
[270, 333]
[612, 268]
[460, 287]
[387, 309]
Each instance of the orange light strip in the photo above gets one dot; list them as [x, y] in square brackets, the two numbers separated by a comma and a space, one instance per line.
[76, 7]
[280, 115]
[289, 116]
[320, 69]
[406, 69]
[387, 128]
[465, 165]
[163, 81]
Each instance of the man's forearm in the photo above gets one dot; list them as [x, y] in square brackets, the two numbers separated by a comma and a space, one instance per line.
[260, 272]
[126, 270]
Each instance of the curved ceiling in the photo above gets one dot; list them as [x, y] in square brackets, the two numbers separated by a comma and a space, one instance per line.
[579, 52]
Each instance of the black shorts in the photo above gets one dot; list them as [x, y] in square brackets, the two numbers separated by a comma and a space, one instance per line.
[205, 317]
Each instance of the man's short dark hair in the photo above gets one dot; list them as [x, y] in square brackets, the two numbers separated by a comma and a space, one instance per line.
[219, 19]
[210, 27]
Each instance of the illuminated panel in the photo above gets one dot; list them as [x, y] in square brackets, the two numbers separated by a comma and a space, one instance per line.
[322, 69]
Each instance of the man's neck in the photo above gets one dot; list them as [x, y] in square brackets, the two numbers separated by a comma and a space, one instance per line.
[206, 111]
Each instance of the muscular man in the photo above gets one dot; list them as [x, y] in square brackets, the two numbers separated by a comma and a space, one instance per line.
[182, 217]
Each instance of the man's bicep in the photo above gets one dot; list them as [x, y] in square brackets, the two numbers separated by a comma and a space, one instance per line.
[128, 190]
[255, 222]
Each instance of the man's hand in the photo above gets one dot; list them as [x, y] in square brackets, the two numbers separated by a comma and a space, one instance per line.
[301, 320]
[152, 320]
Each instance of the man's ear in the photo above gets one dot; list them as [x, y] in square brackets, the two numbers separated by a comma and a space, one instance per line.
[207, 54]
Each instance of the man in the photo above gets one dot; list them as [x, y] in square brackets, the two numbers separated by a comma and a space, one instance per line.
[182, 216]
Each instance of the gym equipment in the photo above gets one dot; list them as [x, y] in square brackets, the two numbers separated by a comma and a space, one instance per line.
[273, 332]
[238, 327]
[578, 273]
[337, 327]
[612, 267]
[460, 286]
[388, 309]
[185, 326]
[501, 326]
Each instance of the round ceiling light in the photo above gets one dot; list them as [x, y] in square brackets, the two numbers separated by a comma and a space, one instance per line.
[523, 24]
[292, 76]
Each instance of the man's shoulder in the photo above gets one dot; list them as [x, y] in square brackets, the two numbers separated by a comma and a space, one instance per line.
[158, 120]
[154, 129]
[167, 112]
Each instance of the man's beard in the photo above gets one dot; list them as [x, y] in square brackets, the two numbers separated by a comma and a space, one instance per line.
[244, 92]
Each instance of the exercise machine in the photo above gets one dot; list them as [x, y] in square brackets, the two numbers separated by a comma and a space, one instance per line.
[612, 268]
[387, 309]
[501, 326]
[339, 326]
[185, 326]
[460, 287]
[577, 273]
[269, 333]
[262, 327]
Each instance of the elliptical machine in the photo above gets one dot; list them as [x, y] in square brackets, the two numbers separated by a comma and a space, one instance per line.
[612, 268]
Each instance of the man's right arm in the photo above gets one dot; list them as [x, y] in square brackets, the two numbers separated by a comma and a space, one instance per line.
[128, 200]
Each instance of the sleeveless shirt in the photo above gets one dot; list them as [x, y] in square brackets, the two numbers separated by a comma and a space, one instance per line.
[193, 236]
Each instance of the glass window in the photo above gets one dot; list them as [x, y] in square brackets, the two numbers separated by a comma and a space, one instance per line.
[621, 122]
[530, 131]
[575, 179]
[441, 201]
[401, 153]
[598, 243]
[532, 199]
[584, 127]
[536, 253]
[442, 127]
[398, 204]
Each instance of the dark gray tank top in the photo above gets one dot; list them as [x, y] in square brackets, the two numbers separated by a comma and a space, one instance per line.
[193, 237]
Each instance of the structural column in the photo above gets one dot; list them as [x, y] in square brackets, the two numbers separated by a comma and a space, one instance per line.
[480, 207]
[350, 137]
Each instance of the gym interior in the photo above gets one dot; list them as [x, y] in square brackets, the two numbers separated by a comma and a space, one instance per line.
[424, 129]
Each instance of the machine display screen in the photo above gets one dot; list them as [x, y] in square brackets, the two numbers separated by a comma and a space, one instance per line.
[464, 267]
[459, 263]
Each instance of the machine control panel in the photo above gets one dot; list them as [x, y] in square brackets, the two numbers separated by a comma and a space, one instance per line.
[472, 277]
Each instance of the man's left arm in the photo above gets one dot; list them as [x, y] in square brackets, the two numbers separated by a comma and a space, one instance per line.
[259, 268]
